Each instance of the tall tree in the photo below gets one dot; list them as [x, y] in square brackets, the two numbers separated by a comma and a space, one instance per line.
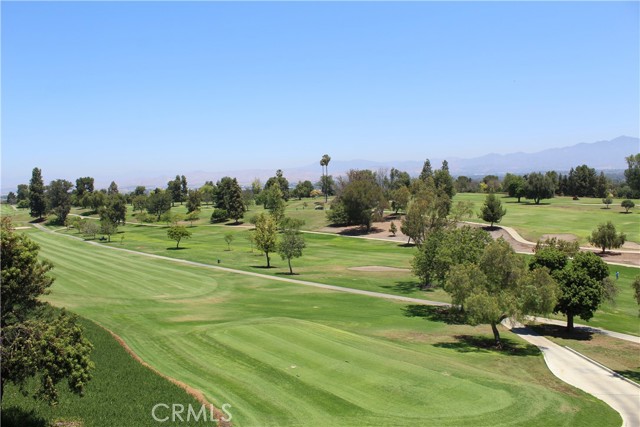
[158, 203]
[426, 171]
[444, 181]
[12, 199]
[140, 190]
[605, 236]
[499, 286]
[539, 187]
[324, 162]
[361, 199]
[22, 193]
[274, 202]
[175, 190]
[115, 209]
[281, 181]
[113, 188]
[34, 340]
[194, 200]
[632, 173]
[266, 235]
[584, 286]
[59, 199]
[492, 210]
[234, 203]
[37, 200]
[514, 185]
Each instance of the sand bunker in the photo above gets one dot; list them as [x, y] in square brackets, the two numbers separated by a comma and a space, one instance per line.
[378, 268]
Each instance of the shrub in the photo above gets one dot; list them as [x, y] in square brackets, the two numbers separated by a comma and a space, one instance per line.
[219, 215]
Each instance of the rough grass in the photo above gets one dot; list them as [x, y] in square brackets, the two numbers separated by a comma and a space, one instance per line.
[287, 355]
[121, 393]
[561, 215]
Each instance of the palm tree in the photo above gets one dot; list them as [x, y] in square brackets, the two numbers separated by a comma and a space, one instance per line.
[324, 162]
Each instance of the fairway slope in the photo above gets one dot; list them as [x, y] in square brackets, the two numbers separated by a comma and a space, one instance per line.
[289, 355]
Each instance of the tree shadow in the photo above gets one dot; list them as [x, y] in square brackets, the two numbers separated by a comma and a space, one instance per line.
[263, 267]
[406, 245]
[286, 273]
[405, 287]
[173, 248]
[448, 315]
[557, 331]
[632, 375]
[482, 344]
[359, 231]
[15, 416]
[234, 224]
[37, 220]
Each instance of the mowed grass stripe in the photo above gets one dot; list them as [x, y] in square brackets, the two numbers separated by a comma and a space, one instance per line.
[175, 318]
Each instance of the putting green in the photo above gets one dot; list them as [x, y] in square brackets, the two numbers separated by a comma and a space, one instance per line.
[287, 355]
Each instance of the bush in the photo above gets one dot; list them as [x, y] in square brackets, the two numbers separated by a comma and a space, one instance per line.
[23, 204]
[219, 215]
[627, 204]
[337, 215]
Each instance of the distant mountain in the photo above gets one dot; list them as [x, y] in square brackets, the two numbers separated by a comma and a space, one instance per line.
[601, 155]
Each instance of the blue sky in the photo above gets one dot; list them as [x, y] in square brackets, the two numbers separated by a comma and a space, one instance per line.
[123, 88]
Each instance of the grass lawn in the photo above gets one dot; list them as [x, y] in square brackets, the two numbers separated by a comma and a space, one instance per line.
[287, 355]
[330, 258]
[121, 393]
[561, 215]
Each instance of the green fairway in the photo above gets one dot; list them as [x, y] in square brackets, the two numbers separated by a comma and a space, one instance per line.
[331, 259]
[289, 355]
[561, 215]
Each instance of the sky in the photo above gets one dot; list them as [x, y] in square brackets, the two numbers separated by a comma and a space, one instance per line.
[143, 88]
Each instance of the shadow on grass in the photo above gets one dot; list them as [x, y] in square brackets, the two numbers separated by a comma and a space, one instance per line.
[480, 344]
[557, 331]
[234, 224]
[38, 221]
[449, 315]
[286, 273]
[263, 267]
[406, 245]
[173, 248]
[14, 416]
[632, 375]
[359, 231]
[404, 287]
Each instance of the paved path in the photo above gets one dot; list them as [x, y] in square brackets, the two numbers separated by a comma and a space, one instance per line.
[593, 329]
[564, 364]
[579, 371]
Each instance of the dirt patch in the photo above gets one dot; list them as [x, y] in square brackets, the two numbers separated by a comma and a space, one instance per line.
[197, 394]
[562, 236]
[378, 268]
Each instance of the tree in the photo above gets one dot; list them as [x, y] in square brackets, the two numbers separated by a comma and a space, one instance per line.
[22, 194]
[266, 235]
[632, 173]
[177, 233]
[499, 286]
[445, 249]
[113, 188]
[158, 203]
[194, 200]
[550, 257]
[108, 227]
[401, 197]
[90, 228]
[303, 189]
[636, 288]
[84, 185]
[37, 201]
[274, 202]
[115, 210]
[174, 188]
[393, 229]
[514, 185]
[219, 215]
[184, 190]
[539, 187]
[605, 236]
[360, 199]
[583, 287]
[292, 242]
[139, 203]
[34, 340]
[208, 192]
[228, 238]
[627, 204]
[234, 203]
[607, 201]
[11, 198]
[324, 163]
[59, 199]
[426, 172]
[492, 210]
[444, 181]
[193, 216]
[602, 185]
[140, 190]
